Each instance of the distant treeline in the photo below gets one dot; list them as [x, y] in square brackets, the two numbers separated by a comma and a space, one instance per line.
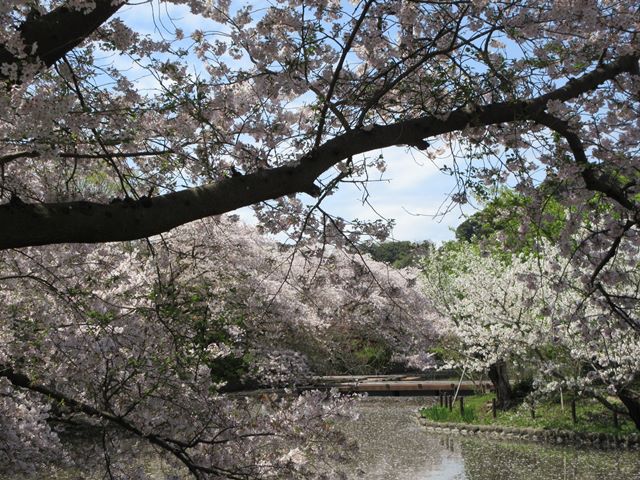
[399, 254]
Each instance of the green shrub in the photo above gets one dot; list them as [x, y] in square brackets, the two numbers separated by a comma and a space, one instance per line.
[443, 414]
[591, 415]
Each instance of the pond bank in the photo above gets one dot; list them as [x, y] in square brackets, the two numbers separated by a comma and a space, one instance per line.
[583, 422]
[600, 440]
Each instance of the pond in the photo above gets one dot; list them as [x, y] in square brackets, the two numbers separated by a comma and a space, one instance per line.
[394, 446]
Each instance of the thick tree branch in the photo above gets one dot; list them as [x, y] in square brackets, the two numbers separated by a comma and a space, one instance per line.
[47, 38]
[594, 179]
[38, 224]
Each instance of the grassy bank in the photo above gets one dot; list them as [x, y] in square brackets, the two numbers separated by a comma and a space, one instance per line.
[591, 416]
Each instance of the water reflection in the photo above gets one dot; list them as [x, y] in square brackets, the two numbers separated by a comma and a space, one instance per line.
[523, 461]
[394, 446]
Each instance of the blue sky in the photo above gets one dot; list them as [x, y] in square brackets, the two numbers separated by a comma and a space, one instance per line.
[412, 191]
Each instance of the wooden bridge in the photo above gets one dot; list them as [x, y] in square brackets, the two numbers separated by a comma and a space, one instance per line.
[396, 385]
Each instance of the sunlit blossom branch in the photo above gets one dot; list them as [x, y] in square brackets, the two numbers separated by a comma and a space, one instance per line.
[47, 38]
[37, 224]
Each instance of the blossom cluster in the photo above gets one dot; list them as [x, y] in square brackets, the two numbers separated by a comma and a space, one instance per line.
[533, 312]
[153, 339]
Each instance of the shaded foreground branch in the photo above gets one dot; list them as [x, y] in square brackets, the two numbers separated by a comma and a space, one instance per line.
[47, 38]
[175, 447]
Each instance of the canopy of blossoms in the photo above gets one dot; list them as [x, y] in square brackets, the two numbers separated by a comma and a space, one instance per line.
[143, 341]
[534, 313]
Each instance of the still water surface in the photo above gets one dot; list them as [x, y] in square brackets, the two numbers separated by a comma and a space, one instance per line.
[394, 446]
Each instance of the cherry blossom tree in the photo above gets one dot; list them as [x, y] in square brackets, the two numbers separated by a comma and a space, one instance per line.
[265, 103]
[532, 312]
[148, 340]
[140, 342]
[482, 308]
[367, 312]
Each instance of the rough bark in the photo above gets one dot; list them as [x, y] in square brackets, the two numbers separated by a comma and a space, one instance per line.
[631, 400]
[500, 378]
[56, 33]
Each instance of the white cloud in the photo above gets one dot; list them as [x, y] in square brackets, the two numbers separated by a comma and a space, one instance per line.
[408, 168]
[415, 195]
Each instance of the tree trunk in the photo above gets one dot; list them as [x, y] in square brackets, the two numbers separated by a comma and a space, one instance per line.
[632, 401]
[500, 379]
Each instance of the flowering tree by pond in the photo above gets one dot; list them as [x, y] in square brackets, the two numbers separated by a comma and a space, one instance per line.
[139, 341]
[146, 340]
[110, 134]
[532, 313]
